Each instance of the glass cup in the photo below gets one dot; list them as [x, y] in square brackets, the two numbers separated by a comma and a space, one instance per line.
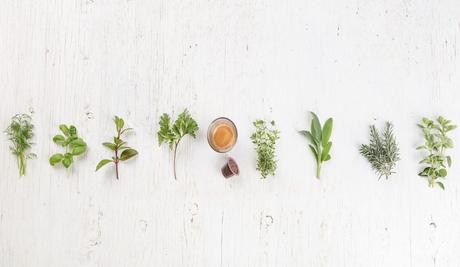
[222, 135]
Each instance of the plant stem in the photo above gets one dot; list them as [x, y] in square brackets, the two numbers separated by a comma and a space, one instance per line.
[22, 165]
[116, 164]
[318, 170]
[174, 163]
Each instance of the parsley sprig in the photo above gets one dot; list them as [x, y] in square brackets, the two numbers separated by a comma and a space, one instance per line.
[173, 134]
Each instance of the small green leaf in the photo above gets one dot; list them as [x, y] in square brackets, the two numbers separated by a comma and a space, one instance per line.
[59, 139]
[440, 185]
[327, 131]
[67, 160]
[78, 150]
[110, 146]
[72, 131]
[55, 159]
[127, 154]
[102, 163]
[449, 161]
[64, 129]
[442, 172]
[309, 137]
[313, 150]
[119, 123]
[77, 142]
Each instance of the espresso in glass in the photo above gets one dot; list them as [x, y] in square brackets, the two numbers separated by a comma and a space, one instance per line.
[222, 135]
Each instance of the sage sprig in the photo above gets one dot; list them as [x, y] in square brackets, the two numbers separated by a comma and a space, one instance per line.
[382, 152]
[319, 137]
[436, 144]
[74, 146]
[20, 132]
[173, 134]
[264, 138]
[121, 151]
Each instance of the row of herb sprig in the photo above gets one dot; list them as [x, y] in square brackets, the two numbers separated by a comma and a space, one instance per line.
[382, 152]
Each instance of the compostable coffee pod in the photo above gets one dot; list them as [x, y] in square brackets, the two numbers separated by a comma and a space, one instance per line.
[230, 168]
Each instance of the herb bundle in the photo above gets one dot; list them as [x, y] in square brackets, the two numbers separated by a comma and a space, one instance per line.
[74, 146]
[173, 134]
[436, 143]
[382, 152]
[119, 148]
[20, 133]
[264, 139]
[319, 141]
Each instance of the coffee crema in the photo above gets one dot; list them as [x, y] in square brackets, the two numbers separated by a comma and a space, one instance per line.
[222, 135]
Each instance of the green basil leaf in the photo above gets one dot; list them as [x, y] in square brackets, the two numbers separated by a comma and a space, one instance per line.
[59, 139]
[55, 159]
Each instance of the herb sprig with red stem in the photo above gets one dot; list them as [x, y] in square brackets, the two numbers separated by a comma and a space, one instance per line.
[121, 151]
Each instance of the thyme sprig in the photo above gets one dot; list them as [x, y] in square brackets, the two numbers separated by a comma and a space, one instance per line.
[264, 138]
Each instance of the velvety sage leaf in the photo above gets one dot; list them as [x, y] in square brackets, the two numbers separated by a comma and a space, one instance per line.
[55, 159]
[316, 128]
[102, 163]
[313, 150]
[327, 131]
[309, 137]
[127, 154]
[326, 150]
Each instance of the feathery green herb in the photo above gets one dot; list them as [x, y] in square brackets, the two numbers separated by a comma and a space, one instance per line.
[436, 144]
[74, 146]
[319, 141]
[264, 139]
[173, 134]
[382, 152]
[20, 133]
[121, 150]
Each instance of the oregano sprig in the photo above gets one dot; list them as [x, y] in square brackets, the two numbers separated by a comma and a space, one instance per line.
[319, 137]
[173, 134]
[20, 132]
[436, 144]
[264, 138]
[74, 146]
[382, 152]
[121, 151]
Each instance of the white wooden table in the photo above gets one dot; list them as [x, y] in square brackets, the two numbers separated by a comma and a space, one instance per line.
[361, 62]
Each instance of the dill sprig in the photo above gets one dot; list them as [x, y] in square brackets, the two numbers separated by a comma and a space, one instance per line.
[382, 152]
[20, 133]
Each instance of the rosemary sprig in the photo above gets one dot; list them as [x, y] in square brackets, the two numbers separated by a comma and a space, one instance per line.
[20, 133]
[382, 152]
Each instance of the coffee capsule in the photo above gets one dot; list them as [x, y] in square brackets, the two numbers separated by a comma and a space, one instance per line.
[230, 168]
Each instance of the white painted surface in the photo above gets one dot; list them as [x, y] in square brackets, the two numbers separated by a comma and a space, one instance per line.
[84, 61]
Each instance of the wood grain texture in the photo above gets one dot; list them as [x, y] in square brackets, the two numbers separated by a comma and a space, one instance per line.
[361, 62]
